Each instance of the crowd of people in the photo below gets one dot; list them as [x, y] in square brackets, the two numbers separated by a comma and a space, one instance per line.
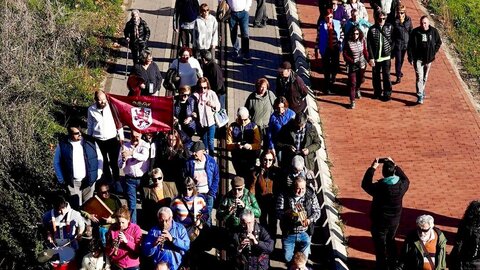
[272, 145]
[343, 28]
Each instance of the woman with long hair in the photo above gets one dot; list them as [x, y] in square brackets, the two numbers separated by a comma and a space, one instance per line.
[207, 104]
[466, 251]
[355, 55]
[123, 242]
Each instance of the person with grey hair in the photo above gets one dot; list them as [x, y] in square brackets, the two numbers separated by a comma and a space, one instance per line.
[137, 34]
[298, 169]
[166, 242]
[251, 244]
[424, 247]
[244, 141]
[379, 45]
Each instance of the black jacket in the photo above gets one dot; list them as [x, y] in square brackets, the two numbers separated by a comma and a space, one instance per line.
[185, 11]
[294, 89]
[377, 5]
[213, 72]
[254, 256]
[425, 51]
[373, 40]
[401, 33]
[150, 75]
[143, 32]
[386, 199]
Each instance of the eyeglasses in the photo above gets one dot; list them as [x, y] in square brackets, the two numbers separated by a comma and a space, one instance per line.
[157, 178]
[423, 230]
[204, 10]
[204, 87]
[184, 95]
[104, 192]
[238, 189]
[383, 19]
[189, 188]
[401, 13]
[356, 34]
[76, 133]
[269, 159]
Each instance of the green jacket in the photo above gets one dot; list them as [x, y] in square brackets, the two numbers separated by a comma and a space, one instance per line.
[232, 219]
[411, 257]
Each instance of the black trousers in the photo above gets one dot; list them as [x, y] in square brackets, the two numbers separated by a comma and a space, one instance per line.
[385, 247]
[381, 74]
[110, 150]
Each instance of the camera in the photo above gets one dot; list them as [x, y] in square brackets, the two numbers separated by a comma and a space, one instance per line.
[383, 160]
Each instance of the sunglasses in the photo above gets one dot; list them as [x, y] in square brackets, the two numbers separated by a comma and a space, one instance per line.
[76, 133]
[402, 13]
[157, 178]
[189, 188]
[423, 230]
[383, 19]
[205, 10]
[268, 159]
[184, 95]
[204, 87]
[238, 188]
[104, 192]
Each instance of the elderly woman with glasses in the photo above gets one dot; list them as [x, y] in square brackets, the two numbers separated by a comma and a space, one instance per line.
[355, 55]
[185, 111]
[149, 72]
[265, 185]
[424, 247]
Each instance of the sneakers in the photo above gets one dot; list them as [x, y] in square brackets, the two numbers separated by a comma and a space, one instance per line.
[358, 94]
[420, 100]
[352, 105]
[258, 25]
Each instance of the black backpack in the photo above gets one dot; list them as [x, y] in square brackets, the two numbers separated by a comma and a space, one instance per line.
[172, 79]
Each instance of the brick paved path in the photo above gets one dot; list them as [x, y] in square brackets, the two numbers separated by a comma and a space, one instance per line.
[437, 144]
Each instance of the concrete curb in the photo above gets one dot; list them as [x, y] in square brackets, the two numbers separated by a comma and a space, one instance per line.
[334, 234]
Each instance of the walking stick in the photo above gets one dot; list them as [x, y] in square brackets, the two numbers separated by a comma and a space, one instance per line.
[126, 61]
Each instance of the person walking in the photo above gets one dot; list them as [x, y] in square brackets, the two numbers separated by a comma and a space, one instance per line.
[184, 16]
[423, 45]
[466, 250]
[387, 194]
[149, 72]
[239, 17]
[205, 32]
[355, 55]
[379, 44]
[137, 34]
[401, 34]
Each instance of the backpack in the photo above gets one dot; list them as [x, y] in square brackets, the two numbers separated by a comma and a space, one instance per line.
[172, 79]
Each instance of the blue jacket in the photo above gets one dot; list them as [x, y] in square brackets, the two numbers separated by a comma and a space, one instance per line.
[213, 173]
[277, 121]
[172, 252]
[191, 108]
[91, 161]
[323, 35]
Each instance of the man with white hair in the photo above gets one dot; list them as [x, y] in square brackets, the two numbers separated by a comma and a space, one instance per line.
[166, 242]
[424, 248]
[244, 140]
[298, 169]
[137, 34]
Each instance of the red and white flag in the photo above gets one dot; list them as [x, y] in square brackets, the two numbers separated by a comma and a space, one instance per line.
[143, 114]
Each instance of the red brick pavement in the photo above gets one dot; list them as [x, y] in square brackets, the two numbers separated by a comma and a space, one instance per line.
[437, 144]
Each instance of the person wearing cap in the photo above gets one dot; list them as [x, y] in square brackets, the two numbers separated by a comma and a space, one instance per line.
[205, 31]
[424, 247]
[387, 196]
[137, 34]
[234, 202]
[291, 86]
[298, 137]
[298, 210]
[205, 172]
[135, 162]
[244, 141]
[213, 72]
[379, 45]
[157, 194]
[329, 43]
[260, 106]
[185, 110]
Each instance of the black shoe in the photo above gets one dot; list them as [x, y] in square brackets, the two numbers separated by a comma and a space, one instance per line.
[386, 98]
[399, 79]
[328, 92]
[258, 25]
[376, 97]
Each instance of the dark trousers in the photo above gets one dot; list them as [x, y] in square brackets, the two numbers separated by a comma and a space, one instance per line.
[268, 218]
[382, 68]
[330, 62]
[110, 149]
[261, 12]
[385, 247]
[355, 81]
[186, 37]
[399, 59]
[240, 19]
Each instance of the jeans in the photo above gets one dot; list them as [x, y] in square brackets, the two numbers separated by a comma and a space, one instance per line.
[421, 74]
[399, 59]
[385, 247]
[221, 99]
[290, 242]
[236, 19]
[131, 185]
[330, 62]
[260, 12]
[382, 68]
[209, 200]
[208, 138]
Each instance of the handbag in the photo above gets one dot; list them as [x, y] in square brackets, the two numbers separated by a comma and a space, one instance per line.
[223, 11]
[172, 79]
[221, 118]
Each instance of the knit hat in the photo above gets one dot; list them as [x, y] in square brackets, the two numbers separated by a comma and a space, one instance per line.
[238, 181]
[298, 163]
[243, 113]
[286, 65]
[197, 146]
